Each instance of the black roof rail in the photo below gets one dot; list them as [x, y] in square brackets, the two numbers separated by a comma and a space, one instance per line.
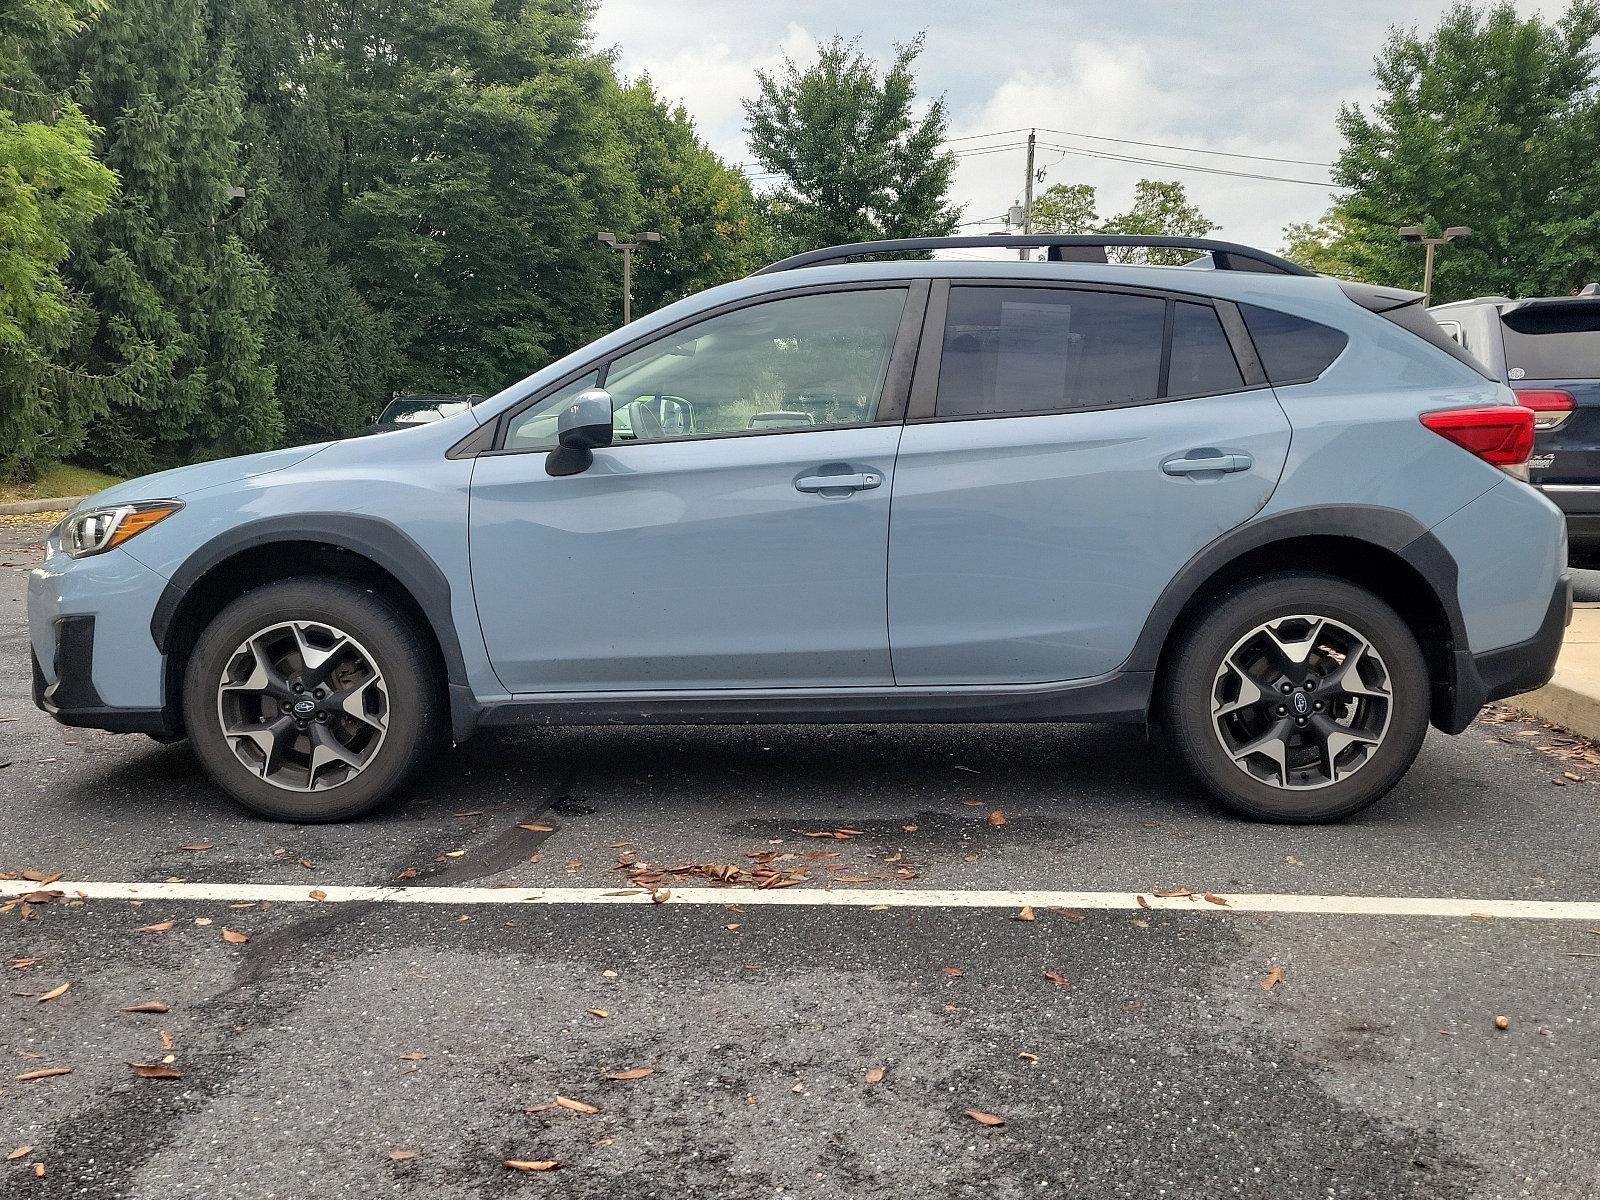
[1061, 247]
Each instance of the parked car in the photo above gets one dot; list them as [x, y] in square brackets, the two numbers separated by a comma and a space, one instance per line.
[1548, 350]
[420, 409]
[1271, 514]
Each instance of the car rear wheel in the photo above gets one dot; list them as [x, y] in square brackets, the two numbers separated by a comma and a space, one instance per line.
[312, 700]
[1297, 698]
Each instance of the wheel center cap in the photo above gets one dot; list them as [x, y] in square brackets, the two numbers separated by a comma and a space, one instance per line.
[1302, 703]
[304, 708]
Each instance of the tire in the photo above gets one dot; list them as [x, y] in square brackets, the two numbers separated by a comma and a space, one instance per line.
[384, 712]
[1364, 686]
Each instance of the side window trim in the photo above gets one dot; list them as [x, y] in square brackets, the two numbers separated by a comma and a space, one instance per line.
[923, 403]
[916, 293]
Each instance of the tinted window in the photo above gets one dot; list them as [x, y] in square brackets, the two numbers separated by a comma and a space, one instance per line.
[1291, 349]
[1554, 341]
[1202, 360]
[534, 428]
[1019, 350]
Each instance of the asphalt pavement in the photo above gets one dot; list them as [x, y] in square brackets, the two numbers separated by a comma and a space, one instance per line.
[380, 1047]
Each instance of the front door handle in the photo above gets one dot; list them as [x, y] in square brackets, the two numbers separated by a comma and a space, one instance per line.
[1198, 462]
[828, 483]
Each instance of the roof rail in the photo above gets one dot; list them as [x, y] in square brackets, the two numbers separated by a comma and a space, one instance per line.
[1226, 256]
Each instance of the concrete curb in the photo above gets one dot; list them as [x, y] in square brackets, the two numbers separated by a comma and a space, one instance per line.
[1556, 703]
[21, 508]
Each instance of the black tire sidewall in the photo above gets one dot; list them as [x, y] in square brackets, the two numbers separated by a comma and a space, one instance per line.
[415, 708]
[1234, 614]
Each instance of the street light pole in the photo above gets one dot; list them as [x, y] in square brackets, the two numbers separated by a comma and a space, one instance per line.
[627, 247]
[1417, 236]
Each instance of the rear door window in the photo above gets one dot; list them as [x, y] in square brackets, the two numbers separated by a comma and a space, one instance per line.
[1202, 361]
[1038, 350]
[1291, 349]
[1552, 341]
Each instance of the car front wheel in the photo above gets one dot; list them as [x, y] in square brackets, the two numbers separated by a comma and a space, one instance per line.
[1297, 698]
[312, 700]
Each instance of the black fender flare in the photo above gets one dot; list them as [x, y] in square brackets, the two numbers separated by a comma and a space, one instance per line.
[374, 538]
[1389, 529]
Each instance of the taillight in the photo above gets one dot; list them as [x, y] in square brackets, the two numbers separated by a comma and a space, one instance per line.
[1501, 434]
[1550, 406]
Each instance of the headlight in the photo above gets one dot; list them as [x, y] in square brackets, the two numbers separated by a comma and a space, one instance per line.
[96, 530]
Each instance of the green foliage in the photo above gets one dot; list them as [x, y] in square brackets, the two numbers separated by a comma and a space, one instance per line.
[1160, 208]
[179, 300]
[51, 187]
[1490, 121]
[855, 161]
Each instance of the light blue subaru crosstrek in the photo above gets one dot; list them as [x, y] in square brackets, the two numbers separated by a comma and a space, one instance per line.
[1278, 517]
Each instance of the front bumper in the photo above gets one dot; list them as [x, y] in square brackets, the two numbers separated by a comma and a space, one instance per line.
[93, 659]
[1512, 670]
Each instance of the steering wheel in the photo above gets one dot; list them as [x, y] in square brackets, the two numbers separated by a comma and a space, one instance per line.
[642, 417]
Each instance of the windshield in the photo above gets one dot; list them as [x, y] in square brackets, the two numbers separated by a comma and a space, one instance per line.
[1557, 340]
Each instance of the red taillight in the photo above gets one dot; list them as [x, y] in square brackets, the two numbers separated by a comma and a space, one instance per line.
[1550, 406]
[1501, 434]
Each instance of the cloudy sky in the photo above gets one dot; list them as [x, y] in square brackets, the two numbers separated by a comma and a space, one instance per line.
[1250, 77]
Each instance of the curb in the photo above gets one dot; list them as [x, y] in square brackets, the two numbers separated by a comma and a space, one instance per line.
[21, 508]
[1558, 704]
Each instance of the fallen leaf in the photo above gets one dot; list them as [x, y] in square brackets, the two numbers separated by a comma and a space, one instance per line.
[234, 936]
[1069, 914]
[996, 817]
[318, 895]
[402, 1155]
[1292, 860]
[197, 846]
[38, 1170]
[1502, 1022]
[953, 971]
[1058, 980]
[527, 1164]
[1170, 893]
[408, 873]
[454, 853]
[1025, 915]
[985, 1118]
[577, 1106]
[154, 1071]
[41, 897]
[538, 828]
[54, 992]
[732, 925]
[1143, 903]
[414, 1056]
[159, 927]
[1026, 1057]
[166, 1039]
[308, 864]
[973, 803]
[1574, 778]
[477, 812]
[18, 964]
[908, 828]
[597, 1012]
[660, 897]
[1211, 899]
[149, 1006]
[202, 921]
[18, 1153]
[43, 1073]
[41, 876]
[1141, 922]
[1273, 978]
[631, 1073]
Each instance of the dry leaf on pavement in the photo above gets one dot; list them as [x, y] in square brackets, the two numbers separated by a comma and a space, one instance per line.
[577, 1106]
[538, 828]
[875, 1075]
[985, 1118]
[1058, 980]
[530, 1164]
[1273, 978]
[54, 992]
[997, 817]
[402, 1155]
[158, 927]
[154, 1071]
[234, 936]
[597, 1012]
[43, 1073]
[18, 1153]
[414, 1056]
[318, 895]
[1212, 899]
[197, 846]
[631, 1073]
[148, 1006]
[1025, 915]
[1502, 1022]
[952, 971]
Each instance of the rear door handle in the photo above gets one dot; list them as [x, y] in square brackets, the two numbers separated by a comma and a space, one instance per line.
[828, 483]
[1197, 462]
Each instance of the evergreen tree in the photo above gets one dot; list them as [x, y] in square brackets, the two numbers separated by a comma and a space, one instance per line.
[856, 164]
[51, 187]
[179, 299]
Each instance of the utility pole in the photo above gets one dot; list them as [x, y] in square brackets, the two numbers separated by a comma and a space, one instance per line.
[1417, 236]
[627, 247]
[1027, 199]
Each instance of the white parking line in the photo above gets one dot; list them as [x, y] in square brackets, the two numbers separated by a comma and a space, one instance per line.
[1231, 902]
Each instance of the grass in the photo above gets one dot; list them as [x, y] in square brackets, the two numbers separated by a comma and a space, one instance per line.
[63, 479]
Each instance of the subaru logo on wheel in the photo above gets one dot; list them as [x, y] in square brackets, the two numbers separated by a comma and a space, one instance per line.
[304, 708]
[1301, 704]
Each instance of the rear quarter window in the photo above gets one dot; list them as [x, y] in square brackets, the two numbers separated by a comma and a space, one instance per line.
[1291, 349]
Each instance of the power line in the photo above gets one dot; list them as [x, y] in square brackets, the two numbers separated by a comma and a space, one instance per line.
[1156, 162]
[1094, 137]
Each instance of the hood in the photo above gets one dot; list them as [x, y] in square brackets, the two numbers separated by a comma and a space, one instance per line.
[183, 481]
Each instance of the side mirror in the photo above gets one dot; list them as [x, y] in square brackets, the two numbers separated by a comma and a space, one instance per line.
[583, 425]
